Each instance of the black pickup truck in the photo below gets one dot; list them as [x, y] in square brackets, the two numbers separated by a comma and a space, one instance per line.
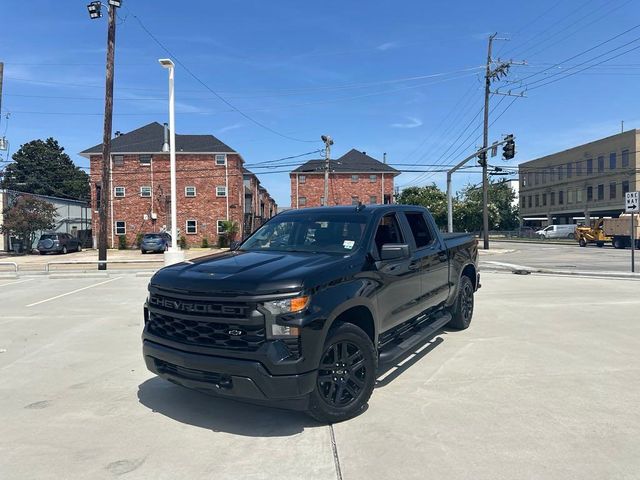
[309, 309]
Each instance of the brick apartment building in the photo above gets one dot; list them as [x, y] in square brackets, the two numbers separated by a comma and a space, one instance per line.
[210, 181]
[259, 206]
[355, 177]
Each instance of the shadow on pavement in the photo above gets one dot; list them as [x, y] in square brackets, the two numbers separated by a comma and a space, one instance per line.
[220, 415]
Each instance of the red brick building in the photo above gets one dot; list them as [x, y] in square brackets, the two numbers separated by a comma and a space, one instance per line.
[355, 177]
[209, 180]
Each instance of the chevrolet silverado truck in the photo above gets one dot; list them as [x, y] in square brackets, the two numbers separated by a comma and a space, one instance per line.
[310, 308]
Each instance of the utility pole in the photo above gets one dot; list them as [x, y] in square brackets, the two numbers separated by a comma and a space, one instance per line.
[485, 144]
[328, 141]
[106, 141]
[1, 76]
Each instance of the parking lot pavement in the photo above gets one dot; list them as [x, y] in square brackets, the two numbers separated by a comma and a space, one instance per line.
[542, 385]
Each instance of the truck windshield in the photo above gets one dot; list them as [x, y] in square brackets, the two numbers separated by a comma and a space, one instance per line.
[320, 233]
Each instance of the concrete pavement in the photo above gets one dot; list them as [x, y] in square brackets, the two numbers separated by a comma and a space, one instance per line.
[542, 385]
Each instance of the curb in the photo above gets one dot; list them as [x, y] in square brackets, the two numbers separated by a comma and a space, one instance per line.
[533, 242]
[576, 273]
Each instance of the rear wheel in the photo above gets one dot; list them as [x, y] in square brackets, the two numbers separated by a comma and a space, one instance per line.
[599, 244]
[572, 236]
[617, 243]
[462, 310]
[346, 375]
[64, 249]
[582, 242]
[79, 249]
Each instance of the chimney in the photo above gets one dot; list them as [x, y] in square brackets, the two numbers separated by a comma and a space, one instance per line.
[165, 145]
[384, 157]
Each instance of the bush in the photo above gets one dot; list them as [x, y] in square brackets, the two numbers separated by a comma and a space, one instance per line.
[139, 239]
[122, 242]
[183, 242]
[223, 241]
[205, 243]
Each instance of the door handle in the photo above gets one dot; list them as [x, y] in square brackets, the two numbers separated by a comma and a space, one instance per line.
[414, 266]
[443, 257]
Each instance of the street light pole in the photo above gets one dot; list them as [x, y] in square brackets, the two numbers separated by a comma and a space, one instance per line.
[328, 141]
[174, 254]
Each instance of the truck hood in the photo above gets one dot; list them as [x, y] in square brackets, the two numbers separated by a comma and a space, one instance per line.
[252, 273]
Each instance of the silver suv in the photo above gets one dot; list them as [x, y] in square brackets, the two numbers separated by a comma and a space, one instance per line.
[58, 243]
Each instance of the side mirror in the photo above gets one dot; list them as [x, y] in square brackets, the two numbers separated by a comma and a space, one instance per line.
[394, 251]
[234, 245]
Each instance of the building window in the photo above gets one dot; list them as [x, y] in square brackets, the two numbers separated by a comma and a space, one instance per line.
[221, 191]
[537, 200]
[613, 187]
[529, 178]
[189, 191]
[302, 179]
[522, 201]
[560, 172]
[537, 181]
[192, 227]
[121, 228]
[625, 158]
[578, 196]
[569, 169]
[118, 160]
[589, 193]
[354, 178]
[354, 200]
[119, 192]
[552, 174]
[322, 201]
[221, 226]
[529, 201]
[600, 164]
[601, 192]
[544, 199]
[302, 201]
[578, 169]
[144, 159]
[590, 166]
[221, 159]
[569, 196]
[552, 200]
[544, 176]
[561, 197]
[373, 178]
[373, 199]
[612, 161]
[625, 187]
[145, 191]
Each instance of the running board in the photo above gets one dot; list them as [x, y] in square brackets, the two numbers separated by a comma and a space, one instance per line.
[389, 356]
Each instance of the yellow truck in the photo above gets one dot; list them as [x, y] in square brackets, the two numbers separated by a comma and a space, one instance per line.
[593, 233]
[619, 229]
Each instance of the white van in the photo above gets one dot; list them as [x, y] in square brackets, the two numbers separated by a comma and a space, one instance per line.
[557, 231]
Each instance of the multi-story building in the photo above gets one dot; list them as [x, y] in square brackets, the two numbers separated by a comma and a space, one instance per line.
[582, 182]
[209, 180]
[353, 178]
[258, 204]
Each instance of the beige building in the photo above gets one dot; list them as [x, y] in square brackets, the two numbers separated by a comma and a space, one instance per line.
[580, 183]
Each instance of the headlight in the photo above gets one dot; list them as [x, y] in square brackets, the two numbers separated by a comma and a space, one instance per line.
[290, 305]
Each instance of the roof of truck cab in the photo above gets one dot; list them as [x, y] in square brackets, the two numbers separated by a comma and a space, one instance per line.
[364, 209]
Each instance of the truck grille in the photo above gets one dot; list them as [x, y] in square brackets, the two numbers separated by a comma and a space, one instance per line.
[206, 333]
[197, 307]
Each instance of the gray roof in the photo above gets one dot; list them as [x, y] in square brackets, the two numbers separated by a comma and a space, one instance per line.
[353, 162]
[150, 138]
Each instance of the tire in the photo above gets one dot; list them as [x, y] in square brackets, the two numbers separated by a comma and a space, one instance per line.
[43, 253]
[617, 243]
[582, 242]
[64, 250]
[462, 310]
[599, 244]
[143, 251]
[79, 249]
[349, 357]
[572, 236]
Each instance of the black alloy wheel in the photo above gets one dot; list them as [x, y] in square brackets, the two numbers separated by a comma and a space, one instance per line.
[342, 374]
[462, 310]
[466, 301]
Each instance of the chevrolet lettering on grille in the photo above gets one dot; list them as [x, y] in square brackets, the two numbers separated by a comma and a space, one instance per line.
[208, 308]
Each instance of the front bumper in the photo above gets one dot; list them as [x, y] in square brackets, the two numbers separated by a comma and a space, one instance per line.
[246, 380]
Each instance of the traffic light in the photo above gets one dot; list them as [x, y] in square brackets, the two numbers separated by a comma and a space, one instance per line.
[509, 148]
[482, 158]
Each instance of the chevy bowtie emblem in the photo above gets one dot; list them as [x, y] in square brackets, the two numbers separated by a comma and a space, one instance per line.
[235, 333]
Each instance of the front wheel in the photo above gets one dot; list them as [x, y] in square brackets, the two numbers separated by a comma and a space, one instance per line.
[346, 375]
[64, 250]
[79, 249]
[582, 242]
[462, 310]
[599, 244]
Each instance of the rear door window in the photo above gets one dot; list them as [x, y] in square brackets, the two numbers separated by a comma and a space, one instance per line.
[419, 228]
[388, 231]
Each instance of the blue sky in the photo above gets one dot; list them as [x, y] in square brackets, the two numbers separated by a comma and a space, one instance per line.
[396, 77]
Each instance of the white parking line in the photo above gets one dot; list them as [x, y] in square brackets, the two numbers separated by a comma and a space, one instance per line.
[15, 283]
[72, 292]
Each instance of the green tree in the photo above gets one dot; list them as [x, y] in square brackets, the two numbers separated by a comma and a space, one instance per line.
[430, 197]
[42, 167]
[26, 216]
[503, 215]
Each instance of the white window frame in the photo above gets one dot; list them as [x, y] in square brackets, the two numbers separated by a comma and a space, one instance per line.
[118, 163]
[302, 179]
[219, 229]
[187, 190]
[144, 163]
[224, 189]
[355, 178]
[145, 188]
[373, 178]
[186, 227]
[302, 201]
[118, 189]
[221, 156]
[120, 231]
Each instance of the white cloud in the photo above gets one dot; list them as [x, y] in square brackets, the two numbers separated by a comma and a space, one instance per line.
[387, 46]
[228, 128]
[413, 122]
